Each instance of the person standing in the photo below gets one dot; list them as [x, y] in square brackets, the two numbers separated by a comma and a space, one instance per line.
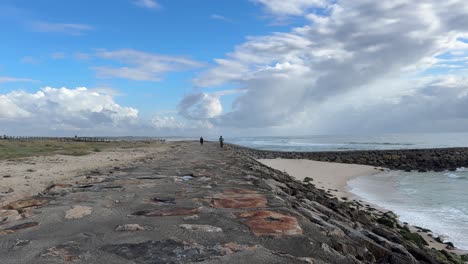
[221, 141]
[201, 140]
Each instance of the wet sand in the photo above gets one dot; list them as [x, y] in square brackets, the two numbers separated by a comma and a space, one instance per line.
[328, 176]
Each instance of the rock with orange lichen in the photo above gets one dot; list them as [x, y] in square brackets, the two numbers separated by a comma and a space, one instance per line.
[239, 198]
[269, 223]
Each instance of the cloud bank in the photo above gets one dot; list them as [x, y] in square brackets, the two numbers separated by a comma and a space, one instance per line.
[361, 66]
[63, 110]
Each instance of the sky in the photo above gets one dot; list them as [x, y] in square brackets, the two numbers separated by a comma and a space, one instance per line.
[237, 68]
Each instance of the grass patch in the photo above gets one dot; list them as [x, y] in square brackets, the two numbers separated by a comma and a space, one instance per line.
[386, 222]
[21, 149]
[414, 237]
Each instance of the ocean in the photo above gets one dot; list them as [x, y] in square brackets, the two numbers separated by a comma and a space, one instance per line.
[353, 142]
[434, 200]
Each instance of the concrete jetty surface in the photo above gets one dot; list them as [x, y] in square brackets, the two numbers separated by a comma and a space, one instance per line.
[200, 204]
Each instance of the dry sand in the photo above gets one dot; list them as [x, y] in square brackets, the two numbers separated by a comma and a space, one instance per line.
[25, 177]
[325, 175]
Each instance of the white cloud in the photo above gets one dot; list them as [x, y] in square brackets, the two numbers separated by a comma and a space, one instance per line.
[163, 122]
[82, 56]
[290, 7]
[172, 125]
[66, 28]
[63, 109]
[5, 79]
[142, 66]
[220, 17]
[200, 106]
[30, 60]
[58, 55]
[324, 74]
[150, 4]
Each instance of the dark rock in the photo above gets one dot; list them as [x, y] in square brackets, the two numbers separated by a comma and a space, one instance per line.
[68, 252]
[162, 252]
[167, 212]
[164, 200]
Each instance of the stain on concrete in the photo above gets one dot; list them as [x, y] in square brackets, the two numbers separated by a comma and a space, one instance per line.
[202, 228]
[18, 205]
[68, 252]
[78, 211]
[172, 252]
[164, 201]
[16, 228]
[131, 227]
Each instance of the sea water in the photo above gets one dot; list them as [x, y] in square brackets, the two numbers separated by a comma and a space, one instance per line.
[434, 200]
[353, 142]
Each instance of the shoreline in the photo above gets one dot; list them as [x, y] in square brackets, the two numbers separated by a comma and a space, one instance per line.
[333, 178]
[422, 160]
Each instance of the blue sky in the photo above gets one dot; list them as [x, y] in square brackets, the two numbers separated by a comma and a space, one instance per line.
[266, 67]
[200, 30]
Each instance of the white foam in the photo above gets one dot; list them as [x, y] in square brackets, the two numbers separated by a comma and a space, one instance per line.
[430, 200]
[453, 175]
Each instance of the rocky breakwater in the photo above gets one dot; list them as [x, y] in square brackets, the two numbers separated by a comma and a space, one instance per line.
[202, 204]
[437, 159]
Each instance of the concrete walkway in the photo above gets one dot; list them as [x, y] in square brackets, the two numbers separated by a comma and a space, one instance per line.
[189, 204]
[202, 204]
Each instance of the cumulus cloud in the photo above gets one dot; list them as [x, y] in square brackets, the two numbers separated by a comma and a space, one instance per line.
[326, 72]
[63, 109]
[436, 104]
[176, 125]
[200, 106]
[166, 122]
[141, 66]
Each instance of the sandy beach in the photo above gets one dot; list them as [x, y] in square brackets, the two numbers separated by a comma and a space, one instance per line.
[328, 176]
